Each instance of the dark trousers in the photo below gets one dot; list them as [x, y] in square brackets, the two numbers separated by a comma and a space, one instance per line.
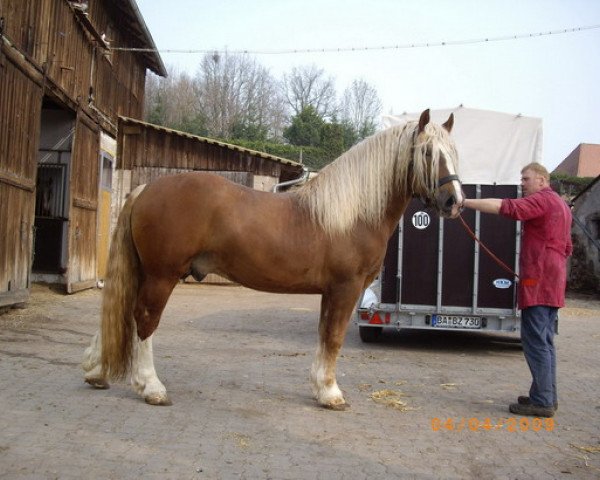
[537, 338]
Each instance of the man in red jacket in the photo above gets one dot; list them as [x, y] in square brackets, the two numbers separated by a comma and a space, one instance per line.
[545, 247]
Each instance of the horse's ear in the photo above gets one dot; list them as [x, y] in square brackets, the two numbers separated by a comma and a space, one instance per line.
[423, 120]
[449, 123]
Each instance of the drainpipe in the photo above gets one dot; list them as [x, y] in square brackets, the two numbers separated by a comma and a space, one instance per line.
[301, 179]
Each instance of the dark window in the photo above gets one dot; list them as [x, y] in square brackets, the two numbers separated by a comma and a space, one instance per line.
[106, 172]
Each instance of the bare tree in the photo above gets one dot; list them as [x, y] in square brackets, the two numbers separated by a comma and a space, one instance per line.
[233, 96]
[236, 92]
[171, 101]
[361, 107]
[308, 86]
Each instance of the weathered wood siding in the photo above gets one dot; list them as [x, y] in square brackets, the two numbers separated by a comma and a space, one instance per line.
[84, 206]
[144, 175]
[63, 45]
[143, 145]
[49, 49]
[20, 104]
[120, 77]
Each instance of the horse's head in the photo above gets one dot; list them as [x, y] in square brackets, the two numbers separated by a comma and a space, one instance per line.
[435, 161]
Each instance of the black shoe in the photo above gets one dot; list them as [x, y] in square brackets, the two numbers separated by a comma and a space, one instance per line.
[524, 400]
[531, 410]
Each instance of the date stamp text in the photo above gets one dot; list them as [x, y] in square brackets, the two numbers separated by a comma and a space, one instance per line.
[510, 424]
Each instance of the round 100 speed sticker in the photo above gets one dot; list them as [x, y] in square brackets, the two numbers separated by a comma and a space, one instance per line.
[421, 220]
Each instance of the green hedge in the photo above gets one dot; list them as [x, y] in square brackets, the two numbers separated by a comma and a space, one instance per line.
[313, 157]
[567, 185]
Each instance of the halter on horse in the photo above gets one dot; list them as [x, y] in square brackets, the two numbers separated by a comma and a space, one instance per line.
[328, 237]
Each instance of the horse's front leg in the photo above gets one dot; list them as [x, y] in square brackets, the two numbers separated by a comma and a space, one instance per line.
[336, 310]
[144, 379]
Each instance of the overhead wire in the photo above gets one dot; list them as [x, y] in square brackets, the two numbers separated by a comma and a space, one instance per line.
[292, 51]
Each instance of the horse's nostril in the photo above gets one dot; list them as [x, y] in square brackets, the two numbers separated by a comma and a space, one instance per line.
[450, 202]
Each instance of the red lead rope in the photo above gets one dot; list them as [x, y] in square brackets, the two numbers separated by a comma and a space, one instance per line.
[487, 250]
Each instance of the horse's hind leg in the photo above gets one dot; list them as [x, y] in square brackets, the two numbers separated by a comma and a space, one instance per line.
[336, 309]
[143, 375]
[92, 363]
[151, 301]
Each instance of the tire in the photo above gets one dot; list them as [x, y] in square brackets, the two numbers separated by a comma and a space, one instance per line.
[369, 334]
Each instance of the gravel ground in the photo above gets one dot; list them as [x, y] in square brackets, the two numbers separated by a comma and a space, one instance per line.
[236, 364]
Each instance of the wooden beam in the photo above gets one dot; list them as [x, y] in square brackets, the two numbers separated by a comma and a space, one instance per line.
[78, 286]
[21, 62]
[19, 182]
[85, 204]
[14, 297]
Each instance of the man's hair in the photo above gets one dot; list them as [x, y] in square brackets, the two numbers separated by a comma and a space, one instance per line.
[537, 168]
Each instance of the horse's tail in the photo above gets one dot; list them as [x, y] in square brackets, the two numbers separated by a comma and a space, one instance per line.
[120, 293]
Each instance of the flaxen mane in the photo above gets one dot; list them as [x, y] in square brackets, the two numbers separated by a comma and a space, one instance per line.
[358, 185]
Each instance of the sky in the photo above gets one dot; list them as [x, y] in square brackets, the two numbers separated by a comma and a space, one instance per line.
[553, 77]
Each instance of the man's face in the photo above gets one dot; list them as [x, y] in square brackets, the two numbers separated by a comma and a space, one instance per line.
[531, 182]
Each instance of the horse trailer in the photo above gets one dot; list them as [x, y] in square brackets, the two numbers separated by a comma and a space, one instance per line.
[435, 275]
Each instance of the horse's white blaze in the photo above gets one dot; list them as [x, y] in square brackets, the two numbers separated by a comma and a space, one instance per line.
[459, 194]
[324, 384]
[143, 375]
[450, 164]
[455, 183]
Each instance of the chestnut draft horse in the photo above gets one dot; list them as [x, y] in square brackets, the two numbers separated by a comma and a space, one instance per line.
[327, 237]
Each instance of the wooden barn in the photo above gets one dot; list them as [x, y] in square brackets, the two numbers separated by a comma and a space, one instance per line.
[147, 151]
[68, 104]
[62, 90]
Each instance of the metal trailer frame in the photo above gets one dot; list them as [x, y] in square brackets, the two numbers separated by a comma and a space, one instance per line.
[486, 311]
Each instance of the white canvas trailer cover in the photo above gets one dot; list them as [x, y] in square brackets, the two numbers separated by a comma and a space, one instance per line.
[434, 275]
[492, 146]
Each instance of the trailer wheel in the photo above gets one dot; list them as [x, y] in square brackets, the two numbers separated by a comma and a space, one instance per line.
[369, 334]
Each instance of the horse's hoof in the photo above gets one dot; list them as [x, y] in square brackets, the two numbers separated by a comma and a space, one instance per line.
[158, 400]
[99, 383]
[338, 407]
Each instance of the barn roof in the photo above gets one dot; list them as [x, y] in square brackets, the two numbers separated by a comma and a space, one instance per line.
[210, 141]
[132, 17]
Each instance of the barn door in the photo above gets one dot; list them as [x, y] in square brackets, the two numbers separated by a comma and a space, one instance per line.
[81, 270]
[52, 192]
[20, 106]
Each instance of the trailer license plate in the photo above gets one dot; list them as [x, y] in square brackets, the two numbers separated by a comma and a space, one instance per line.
[455, 321]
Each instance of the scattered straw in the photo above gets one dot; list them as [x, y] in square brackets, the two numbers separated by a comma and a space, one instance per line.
[241, 440]
[390, 398]
[449, 386]
[586, 448]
